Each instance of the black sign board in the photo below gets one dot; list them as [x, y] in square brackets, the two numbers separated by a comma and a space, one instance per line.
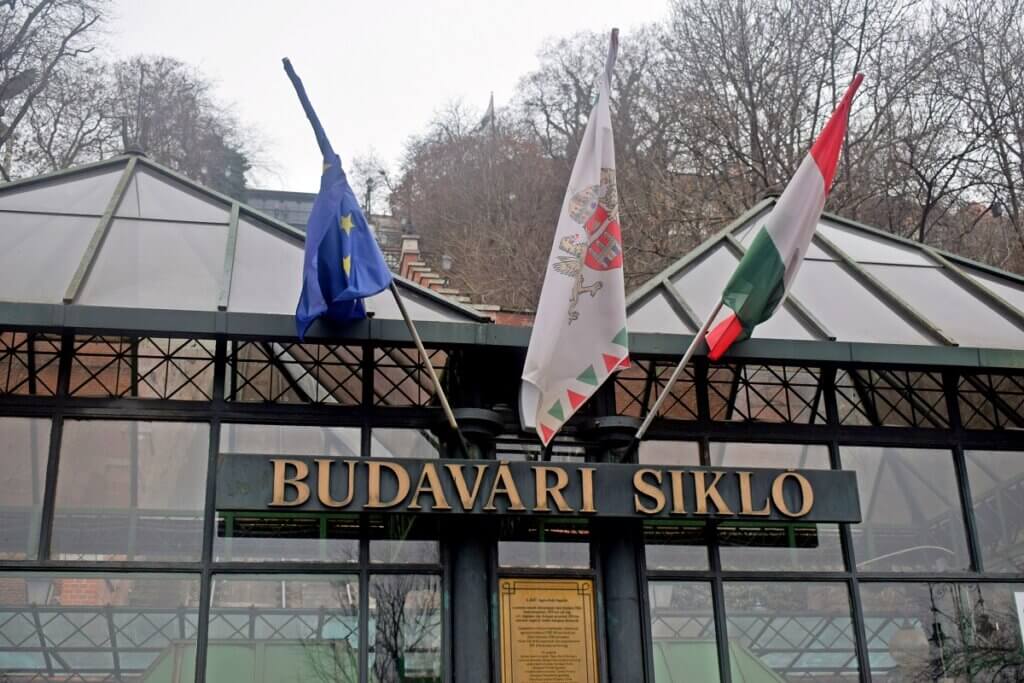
[497, 487]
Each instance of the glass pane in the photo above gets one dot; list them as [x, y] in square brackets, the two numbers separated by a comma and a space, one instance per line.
[945, 632]
[792, 547]
[86, 193]
[671, 453]
[39, 254]
[147, 264]
[265, 278]
[862, 246]
[655, 314]
[997, 495]
[911, 510]
[419, 305]
[285, 628]
[132, 628]
[799, 631]
[130, 490]
[286, 536]
[340, 442]
[959, 313]
[404, 539]
[681, 546]
[24, 449]
[404, 443]
[405, 629]
[528, 543]
[153, 195]
[683, 630]
[862, 315]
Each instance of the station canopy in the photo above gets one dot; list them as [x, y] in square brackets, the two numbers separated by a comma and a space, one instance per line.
[130, 233]
[857, 284]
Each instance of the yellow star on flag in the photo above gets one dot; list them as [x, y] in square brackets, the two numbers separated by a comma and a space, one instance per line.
[346, 263]
[346, 223]
[327, 165]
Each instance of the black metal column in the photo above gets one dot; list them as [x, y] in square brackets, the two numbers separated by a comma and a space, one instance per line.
[619, 548]
[471, 633]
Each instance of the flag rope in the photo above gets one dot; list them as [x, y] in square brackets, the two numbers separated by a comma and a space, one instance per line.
[697, 339]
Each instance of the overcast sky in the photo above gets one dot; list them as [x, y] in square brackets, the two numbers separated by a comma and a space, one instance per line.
[376, 70]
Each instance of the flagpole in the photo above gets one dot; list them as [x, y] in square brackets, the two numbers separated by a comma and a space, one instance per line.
[697, 339]
[430, 369]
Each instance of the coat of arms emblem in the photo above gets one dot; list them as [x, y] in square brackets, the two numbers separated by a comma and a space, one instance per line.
[599, 247]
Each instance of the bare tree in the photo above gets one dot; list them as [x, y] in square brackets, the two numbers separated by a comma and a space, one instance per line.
[37, 39]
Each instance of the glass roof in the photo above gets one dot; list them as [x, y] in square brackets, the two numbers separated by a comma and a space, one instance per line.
[165, 247]
[856, 285]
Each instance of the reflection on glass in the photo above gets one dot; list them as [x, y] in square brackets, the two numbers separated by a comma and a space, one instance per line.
[290, 440]
[680, 546]
[284, 628]
[528, 543]
[286, 536]
[911, 510]
[683, 631]
[24, 447]
[791, 547]
[403, 443]
[97, 627]
[997, 495]
[799, 631]
[677, 453]
[943, 632]
[405, 629]
[403, 539]
[130, 490]
[777, 455]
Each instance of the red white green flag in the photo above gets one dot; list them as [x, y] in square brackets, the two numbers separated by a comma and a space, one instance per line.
[579, 335]
[763, 277]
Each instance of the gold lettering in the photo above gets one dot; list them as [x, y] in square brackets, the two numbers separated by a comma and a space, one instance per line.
[373, 484]
[587, 480]
[703, 492]
[281, 482]
[746, 504]
[652, 491]
[508, 489]
[806, 493]
[467, 497]
[541, 488]
[433, 487]
[323, 483]
[678, 500]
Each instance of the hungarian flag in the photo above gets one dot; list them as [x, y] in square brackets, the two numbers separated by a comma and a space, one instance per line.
[767, 270]
[579, 335]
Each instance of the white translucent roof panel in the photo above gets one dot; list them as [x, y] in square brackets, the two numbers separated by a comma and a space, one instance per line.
[1008, 290]
[86, 193]
[655, 314]
[961, 315]
[267, 276]
[149, 264]
[420, 307]
[864, 247]
[153, 195]
[848, 309]
[700, 285]
[39, 255]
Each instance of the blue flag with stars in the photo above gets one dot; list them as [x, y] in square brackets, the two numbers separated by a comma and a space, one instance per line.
[343, 263]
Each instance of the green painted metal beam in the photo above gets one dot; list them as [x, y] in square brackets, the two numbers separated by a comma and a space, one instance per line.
[678, 304]
[875, 285]
[229, 259]
[102, 228]
[792, 303]
[984, 293]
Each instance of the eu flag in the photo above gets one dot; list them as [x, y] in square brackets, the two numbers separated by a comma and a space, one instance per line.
[343, 263]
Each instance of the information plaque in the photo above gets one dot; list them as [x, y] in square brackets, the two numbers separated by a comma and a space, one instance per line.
[548, 631]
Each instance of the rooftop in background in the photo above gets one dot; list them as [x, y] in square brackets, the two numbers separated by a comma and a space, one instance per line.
[130, 233]
[857, 284]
